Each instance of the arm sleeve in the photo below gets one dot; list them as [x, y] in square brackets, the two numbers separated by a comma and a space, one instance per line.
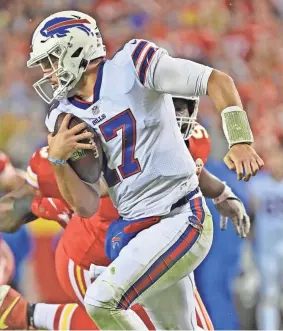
[179, 77]
[158, 71]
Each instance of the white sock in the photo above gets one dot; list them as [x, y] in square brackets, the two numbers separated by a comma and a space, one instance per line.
[44, 315]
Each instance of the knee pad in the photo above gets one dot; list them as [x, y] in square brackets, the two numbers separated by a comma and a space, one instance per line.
[101, 294]
[97, 314]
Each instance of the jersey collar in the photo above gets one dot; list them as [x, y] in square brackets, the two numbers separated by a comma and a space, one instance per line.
[77, 102]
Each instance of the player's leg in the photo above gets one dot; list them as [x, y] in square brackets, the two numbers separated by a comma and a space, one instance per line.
[74, 281]
[173, 308]
[179, 304]
[17, 314]
[60, 317]
[203, 319]
[268, 309]
[180, 241]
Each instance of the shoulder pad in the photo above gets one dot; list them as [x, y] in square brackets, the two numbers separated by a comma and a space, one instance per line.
[50, 119]
[54, 105]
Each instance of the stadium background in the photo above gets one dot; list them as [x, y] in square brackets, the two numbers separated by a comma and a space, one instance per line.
[240, 37]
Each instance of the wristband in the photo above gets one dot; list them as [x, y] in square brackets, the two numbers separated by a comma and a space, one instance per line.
[224, 195]
[236, 126]
[56, 161]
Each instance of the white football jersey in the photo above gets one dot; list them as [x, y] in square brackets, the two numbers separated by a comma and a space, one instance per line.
[147, 165]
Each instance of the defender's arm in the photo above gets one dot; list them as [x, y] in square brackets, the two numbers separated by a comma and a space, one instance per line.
[15, 208]
[226, 202]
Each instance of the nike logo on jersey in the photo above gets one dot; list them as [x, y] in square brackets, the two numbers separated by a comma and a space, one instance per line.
[7, 312]
[99, 119]
[134, 42]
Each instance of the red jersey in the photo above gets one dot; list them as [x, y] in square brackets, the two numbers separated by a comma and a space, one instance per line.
[83, 238]
[199, 146]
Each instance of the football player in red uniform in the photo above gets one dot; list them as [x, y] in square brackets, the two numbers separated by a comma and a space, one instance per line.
[10, 179]
[82, 243]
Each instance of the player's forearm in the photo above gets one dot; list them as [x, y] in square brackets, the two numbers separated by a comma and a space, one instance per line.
[222, 90]
[14, 212]
[83, 199]
[211, 186]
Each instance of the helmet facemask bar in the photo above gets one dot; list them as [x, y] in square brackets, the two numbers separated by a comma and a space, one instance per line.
[186, 126]
[187, 120]
[64, 77]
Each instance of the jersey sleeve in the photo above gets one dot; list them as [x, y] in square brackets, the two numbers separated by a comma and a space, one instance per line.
[34, 163]
[52, 115]
[145, 56]
[199, 144]
[158, 71]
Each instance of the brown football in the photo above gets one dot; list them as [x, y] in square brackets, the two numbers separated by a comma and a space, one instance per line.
[85, 162]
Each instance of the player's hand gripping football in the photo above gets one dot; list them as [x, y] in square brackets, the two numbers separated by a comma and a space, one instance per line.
[244, 160]
[230, 206]
[66, 141]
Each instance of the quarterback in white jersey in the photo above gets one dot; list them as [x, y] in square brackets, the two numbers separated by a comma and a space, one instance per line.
[165, 229]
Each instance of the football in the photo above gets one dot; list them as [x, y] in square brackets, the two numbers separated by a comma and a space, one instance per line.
[86, 163]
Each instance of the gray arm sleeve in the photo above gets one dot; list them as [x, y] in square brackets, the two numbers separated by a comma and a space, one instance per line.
[179, 77]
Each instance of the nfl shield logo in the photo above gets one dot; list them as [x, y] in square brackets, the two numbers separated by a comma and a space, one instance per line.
[95, 110]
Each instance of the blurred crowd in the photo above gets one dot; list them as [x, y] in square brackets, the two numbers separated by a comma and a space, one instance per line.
[240, 37]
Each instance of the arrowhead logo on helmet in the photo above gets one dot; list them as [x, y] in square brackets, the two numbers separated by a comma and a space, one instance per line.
[60, 26]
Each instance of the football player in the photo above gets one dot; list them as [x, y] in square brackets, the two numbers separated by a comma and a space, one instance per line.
[81, 245]
[10, 179]
[165, 228]
[82, 242]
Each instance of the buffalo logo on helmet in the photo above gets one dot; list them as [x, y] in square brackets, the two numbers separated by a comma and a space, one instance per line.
[60, 26]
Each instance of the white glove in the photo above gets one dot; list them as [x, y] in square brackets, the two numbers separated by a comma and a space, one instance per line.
[230, 206]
